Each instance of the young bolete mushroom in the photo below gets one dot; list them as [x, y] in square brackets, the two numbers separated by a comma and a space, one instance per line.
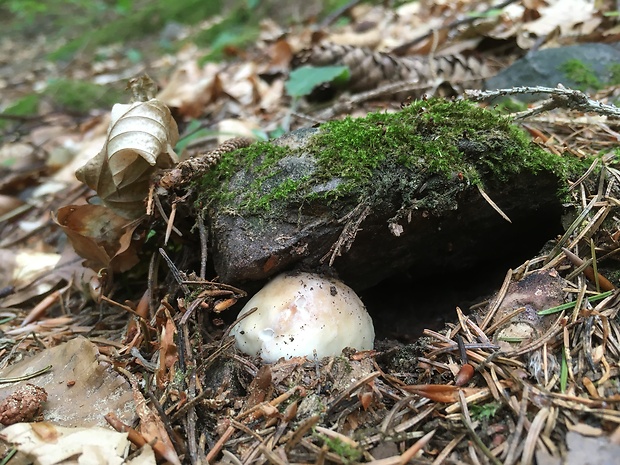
[300, 314]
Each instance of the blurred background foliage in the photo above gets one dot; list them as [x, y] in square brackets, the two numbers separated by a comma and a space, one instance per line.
[82, 25]
[75, 35]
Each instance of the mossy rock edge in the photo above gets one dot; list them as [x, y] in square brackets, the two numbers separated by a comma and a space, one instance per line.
[400, 189]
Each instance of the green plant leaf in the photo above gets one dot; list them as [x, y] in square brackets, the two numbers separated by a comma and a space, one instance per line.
[193, 131]
[27, 105]
[301, 81]
[485, 411]
[563, 372]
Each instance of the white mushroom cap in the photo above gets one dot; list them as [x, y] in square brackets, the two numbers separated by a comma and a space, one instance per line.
[299, 313]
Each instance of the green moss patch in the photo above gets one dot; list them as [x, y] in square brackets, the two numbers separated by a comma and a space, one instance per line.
[430, 146]
[582, 74]
[82, 96]
[585, 76]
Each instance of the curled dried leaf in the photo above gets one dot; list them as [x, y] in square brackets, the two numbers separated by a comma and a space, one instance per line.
[140, 130]
[140, 140]
[100, 236]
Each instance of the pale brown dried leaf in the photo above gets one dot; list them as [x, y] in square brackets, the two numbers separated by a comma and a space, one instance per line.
[100, 236]
[80, 388]
[140, 140]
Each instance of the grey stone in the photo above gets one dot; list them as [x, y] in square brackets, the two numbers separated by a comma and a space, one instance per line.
[544, 67]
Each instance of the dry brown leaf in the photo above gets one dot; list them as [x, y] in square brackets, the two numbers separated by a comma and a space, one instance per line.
[51, 270]
[191, 88]
[231, 128]
[29, 272]
[8, 203]
[529, 21]
[140, 140]
[21, 268]
[95, 389]
[100, 236]
[443, 393]
[48, 444]
[565, 14]
[244, 85]
[280, 55]
[168, 354]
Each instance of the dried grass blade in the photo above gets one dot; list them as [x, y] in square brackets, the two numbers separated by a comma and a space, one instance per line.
[493, 204]
[532, 436]
[413, 450]
[592, 225]
[491, 383]
[471, 395]
[498, 300]
[476, 329]
[466, 419]
[553, 330]
[505, 320]
[443, 455]
[300, 432]
[569, 232]
[516, 438]
[585, 175]
[463, 325]
[404, 426]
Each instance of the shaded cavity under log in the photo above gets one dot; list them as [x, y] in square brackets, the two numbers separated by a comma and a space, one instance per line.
[403, 305]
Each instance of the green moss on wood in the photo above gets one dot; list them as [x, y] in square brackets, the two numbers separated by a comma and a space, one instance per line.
[436, 145]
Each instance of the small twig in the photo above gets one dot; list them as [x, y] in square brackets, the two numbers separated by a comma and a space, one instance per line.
[561, 97]
[465, 418]
[301, 431]
[593, 275]
[26, 377]
[332, 17]
[175, 272]
[169, 224]
[124, 307]
[349, 232]
[493, 204]
[204, 239]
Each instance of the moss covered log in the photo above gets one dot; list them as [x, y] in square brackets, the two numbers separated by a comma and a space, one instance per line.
[389, 187]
